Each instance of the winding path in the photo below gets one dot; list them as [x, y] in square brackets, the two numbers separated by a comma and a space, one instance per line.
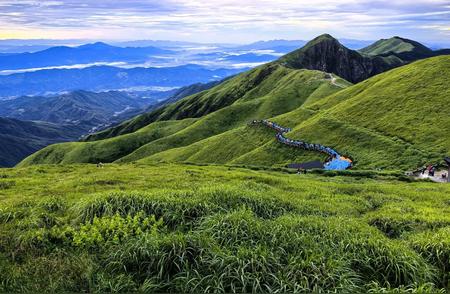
[334, 81]
[337, 161]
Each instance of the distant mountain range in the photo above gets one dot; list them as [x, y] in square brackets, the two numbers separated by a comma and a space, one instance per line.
[86, 110]
[22, 138]
[102, 67]
[104, 78]
[89, 53]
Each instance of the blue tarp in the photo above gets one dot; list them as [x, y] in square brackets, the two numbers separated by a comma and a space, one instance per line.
[337, 164]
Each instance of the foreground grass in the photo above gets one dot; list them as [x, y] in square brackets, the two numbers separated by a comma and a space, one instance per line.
[187, 228]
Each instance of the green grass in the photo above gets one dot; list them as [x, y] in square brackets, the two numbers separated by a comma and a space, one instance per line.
[194, 228]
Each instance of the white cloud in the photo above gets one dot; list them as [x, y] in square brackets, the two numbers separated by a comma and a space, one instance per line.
[225, 20]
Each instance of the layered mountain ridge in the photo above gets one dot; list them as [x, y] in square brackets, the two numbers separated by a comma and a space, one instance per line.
[302, 90]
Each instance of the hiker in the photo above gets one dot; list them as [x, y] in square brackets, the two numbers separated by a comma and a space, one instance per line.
[431, 171]
[301, 171]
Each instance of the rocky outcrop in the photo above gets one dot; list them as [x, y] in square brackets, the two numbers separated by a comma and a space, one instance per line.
[325, 53]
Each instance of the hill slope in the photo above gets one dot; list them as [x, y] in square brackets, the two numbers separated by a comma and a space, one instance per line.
[395, 120]
[403, 48]
[266, 91]
[21, 138]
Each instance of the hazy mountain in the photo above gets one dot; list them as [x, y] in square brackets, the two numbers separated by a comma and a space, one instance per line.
[22, 138]
[89, 53]
[104, 78]
[86, 110]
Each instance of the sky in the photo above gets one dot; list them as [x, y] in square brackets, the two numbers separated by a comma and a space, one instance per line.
[224, 21]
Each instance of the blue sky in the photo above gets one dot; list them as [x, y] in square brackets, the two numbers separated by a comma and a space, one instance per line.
[229, 21]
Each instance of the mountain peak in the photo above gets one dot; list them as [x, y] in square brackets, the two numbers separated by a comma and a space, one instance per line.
[96, 45]
[322, 38]
[327, 54]
[325, 37]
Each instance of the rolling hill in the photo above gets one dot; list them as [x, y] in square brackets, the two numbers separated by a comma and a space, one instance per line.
[395, 120]
[225, 107]
[22, 138]
[397, 45]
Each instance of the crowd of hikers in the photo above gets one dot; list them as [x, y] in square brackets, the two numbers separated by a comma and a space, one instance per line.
[345, 162]
[431, 170]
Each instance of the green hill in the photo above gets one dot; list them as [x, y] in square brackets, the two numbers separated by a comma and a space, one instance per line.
[395, 120]
[266, 91]
[404, 48]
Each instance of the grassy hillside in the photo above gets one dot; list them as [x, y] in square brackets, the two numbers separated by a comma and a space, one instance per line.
[399, 46]
[127, 228]
[266, 91]
[396, 120]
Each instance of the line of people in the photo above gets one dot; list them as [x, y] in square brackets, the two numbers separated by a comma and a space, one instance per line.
[272, 125]
[335, 161]
[296, 143]
[307, 146]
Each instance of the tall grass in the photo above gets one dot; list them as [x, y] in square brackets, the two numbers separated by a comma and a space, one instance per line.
[220, 229]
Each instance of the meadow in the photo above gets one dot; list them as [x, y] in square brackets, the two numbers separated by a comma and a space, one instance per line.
[212, 228]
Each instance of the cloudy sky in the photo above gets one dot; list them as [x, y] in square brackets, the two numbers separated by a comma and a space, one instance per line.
[232, 21]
